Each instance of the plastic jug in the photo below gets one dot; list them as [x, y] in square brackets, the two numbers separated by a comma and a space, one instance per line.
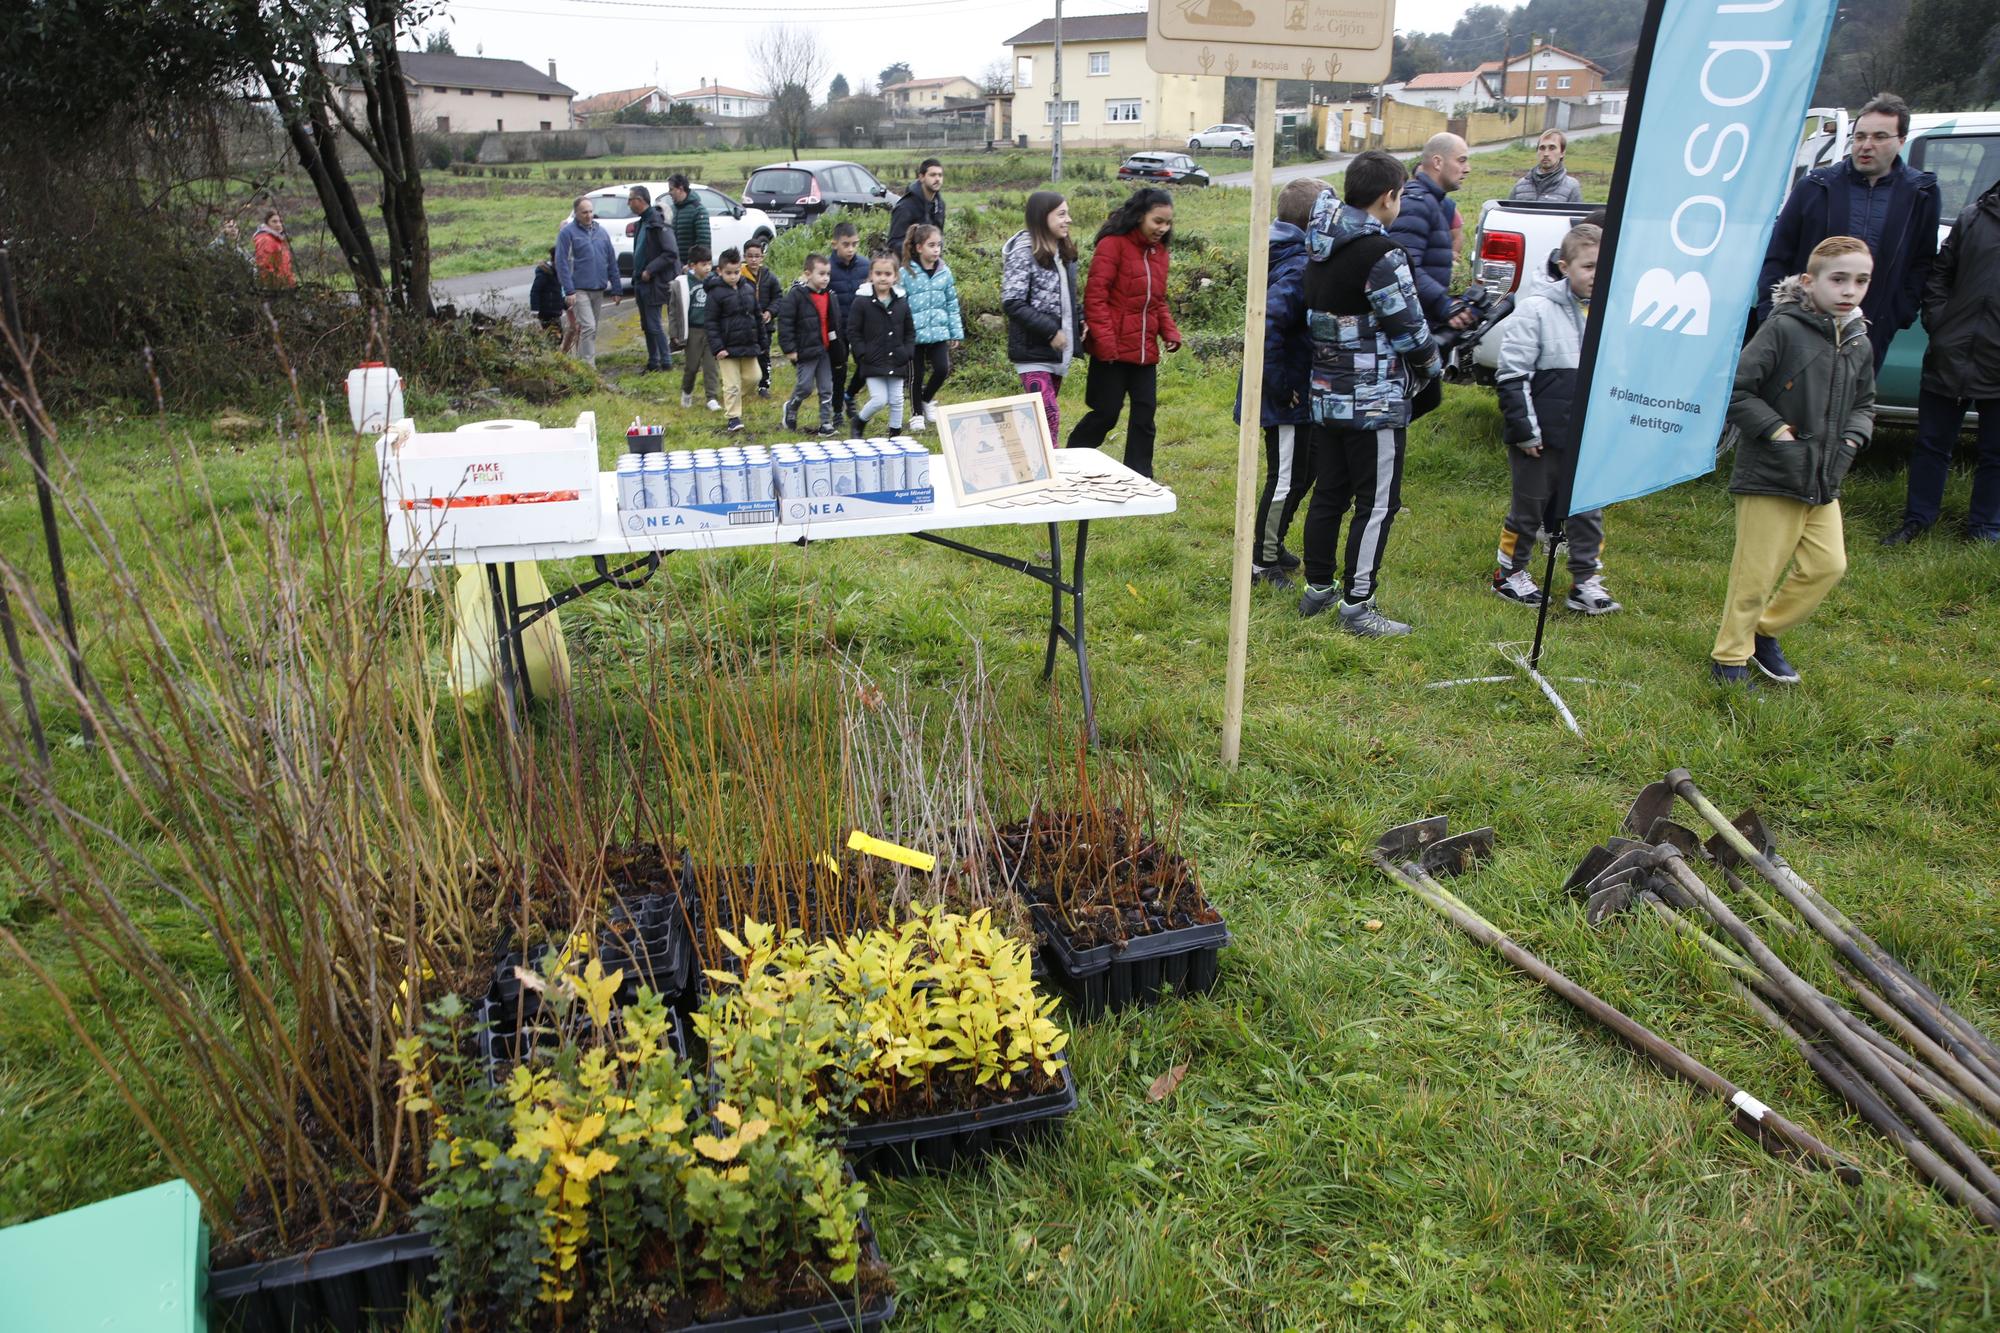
[374, 397]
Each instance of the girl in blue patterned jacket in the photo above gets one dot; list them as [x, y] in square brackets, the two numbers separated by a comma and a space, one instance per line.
[934, 309]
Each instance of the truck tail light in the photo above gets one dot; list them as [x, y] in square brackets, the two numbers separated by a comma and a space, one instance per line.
[1500, 257]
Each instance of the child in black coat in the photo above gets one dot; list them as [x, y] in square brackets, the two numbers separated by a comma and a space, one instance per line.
[881, 338]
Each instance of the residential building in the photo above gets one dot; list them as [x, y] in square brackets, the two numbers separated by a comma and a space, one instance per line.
[960, 111]
[603, 108]
[1444, 90]
[722, 102]
[466, 94]
[1110, 94]
[1543, 74]
[914, 96]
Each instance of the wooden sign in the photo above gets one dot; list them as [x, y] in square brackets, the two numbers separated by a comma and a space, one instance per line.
[1346, 41]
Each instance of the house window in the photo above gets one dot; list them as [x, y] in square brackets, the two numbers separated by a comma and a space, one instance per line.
[548, 125]
[1562, 81]
[1100, 63]
[440, 90]
[1541, 82]
[496, 93]
[500, 125]
[1024, 72]
[1122, 110]
[1070, 116]
[541, 97]
[466, 92]
[444, 124]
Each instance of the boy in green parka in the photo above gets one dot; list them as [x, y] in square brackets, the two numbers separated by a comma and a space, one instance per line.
[1804, 403]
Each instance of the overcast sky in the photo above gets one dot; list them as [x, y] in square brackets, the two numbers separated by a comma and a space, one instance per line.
[599, 45]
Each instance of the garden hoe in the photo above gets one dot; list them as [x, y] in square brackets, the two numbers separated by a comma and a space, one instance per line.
[1819, 1011]
[1427, 841]
[1928, 1017]
[1825, 1054]
[1650, 819]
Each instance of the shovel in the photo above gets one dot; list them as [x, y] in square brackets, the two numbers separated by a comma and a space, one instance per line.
[1428, 841]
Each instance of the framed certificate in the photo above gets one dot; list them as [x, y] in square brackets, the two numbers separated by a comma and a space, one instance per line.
[996, 448]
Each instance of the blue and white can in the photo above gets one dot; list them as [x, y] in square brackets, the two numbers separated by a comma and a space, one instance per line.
[840, 468]
[631, 489]
[735, 477]
[916, 466]
[653, 476]
[758, 473]
[680, 481]
[867, 469]
[819, 473]
[891, 463]
[788, 473]
[707, 479]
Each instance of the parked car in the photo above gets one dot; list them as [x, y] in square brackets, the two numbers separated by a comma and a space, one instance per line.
[1162, 169]
[799, 193]
[730, 223]
[1237, 137]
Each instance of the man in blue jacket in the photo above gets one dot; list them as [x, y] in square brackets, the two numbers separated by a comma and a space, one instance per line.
[1428, 227]
[1873, 195]
[1286, 411]
[587, 267]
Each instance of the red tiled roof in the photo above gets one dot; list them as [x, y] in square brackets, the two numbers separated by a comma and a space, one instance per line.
[712, 90]
[1442, 79]
[613, 101]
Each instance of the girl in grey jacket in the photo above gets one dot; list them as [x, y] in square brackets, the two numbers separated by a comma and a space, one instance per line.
[1045, 322]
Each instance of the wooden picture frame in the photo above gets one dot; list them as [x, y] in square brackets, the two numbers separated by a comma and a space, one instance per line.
[996, 448]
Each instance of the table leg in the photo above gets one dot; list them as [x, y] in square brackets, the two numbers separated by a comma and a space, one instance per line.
[504, 633]
[1076, 634]
[520, 636]
[1056, 626]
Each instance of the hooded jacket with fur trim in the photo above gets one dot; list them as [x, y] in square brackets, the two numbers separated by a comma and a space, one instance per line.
[1811, 372]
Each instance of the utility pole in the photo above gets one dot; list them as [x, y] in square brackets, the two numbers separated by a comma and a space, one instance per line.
[1528, 88]
[1548, 104]
[1056, 108]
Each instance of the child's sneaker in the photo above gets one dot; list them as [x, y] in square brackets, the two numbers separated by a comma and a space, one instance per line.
[826, 428]
[687, 400]
[917, 421]
[931, 411]
[1364, 621]
[715, 405]
[763, 391]
[1724, 674]
[1315, 600]
[735, 424]
[791, 415]
[1274, 575]
[1590, 598]
[1770, 659]
[1518, 586]
[1286, 560]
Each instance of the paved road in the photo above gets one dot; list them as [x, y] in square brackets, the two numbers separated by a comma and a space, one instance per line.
[501, 292]
[1302, 170]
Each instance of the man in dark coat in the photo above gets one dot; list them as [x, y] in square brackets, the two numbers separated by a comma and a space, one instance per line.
[922, 202]
[656, 262]
[1961, 369]
[1877, 197]
[1428, 227]
[690, 218]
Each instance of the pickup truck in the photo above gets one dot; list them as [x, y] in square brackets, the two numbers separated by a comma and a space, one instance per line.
[1963, 150]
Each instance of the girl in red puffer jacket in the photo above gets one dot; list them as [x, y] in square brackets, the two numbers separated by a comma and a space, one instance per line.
[1125, 308]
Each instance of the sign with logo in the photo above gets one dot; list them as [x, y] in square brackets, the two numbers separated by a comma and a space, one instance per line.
[1717, 96]
[1329, 40]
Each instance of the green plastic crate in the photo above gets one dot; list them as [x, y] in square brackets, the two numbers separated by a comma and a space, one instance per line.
[135, 1263]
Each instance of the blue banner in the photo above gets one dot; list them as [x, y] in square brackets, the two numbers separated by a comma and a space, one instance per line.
[1719, 96]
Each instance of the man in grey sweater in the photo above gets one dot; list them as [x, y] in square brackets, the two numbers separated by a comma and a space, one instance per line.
[1550, 182]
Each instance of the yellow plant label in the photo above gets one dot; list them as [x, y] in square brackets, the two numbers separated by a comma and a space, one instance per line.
[889, 851]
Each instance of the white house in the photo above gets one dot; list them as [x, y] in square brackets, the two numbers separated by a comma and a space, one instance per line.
[462, 94]
[603, 108]
[1443, 90]
[1110, 95]
[724, 102]
[913, 96]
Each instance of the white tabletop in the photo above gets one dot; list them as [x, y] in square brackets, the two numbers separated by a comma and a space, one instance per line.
[613, 540]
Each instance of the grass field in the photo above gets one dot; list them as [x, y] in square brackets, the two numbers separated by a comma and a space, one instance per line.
[1378, 1128]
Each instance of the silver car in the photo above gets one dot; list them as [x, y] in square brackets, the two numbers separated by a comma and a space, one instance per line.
[1237, 137]
[730, 224]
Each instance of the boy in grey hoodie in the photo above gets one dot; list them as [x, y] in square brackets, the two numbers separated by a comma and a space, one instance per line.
[1539, 349]
[1805, 404]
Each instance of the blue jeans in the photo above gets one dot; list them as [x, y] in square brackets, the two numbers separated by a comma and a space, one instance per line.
[1938, 419]
[659, 353]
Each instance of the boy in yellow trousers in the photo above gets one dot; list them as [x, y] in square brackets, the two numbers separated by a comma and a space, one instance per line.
[1805, 405]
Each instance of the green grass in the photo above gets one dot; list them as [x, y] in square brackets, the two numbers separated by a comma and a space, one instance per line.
[1378, 1129]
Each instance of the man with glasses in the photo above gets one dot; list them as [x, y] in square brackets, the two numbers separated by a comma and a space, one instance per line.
[1873, 195]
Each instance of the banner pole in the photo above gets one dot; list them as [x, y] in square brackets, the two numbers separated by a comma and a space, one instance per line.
[1250, 434]
[1593, 329]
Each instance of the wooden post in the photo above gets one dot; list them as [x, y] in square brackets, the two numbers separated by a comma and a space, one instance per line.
[1056, 114]
[1250, 435]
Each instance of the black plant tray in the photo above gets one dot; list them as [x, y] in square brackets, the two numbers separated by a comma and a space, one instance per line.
[348, 1289]
[951, 1138]
[500, 1040]
[1110, 977]
[837, 1316]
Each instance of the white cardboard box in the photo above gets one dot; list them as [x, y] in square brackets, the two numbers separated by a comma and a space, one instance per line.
[493, 483]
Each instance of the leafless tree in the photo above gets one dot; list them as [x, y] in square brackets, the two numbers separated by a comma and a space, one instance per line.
[790, 62]
[997, 79]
